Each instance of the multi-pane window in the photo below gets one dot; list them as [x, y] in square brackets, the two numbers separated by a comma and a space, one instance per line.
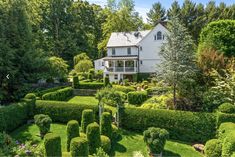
[129, 51]
[115, 76]
[159, 35]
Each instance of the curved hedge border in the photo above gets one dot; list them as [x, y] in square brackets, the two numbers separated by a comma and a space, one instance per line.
[63, 111]
[182, 125]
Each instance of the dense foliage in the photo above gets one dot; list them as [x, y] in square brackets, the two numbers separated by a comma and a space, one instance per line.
[59, 95]
[182, 125]
[223, 40]
[93, 137]
[52, 144]
[79, 147]
[15, 115]
[105, 143]
[213, 148]
[106, 124]
[125, 89]
[137, 97]
[43, 122]
[72, 132]
[155, 138]
[227, 108]
[63, 112]
[87, 118]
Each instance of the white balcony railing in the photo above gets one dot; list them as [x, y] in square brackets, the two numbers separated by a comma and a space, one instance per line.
[122, 69]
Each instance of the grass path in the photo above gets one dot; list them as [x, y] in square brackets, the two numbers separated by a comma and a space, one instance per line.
[129, 143]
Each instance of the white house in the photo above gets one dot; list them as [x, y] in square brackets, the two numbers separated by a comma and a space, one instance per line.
[129, 53]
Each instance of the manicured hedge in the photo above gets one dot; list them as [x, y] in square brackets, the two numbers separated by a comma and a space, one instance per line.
[225, 129]
[72, 131]
[79, 147]
[224, 117]
[52, 144]
[63, 111]
[182, 125]
[213, 148]
[106, 124]
[227, 108]
[137, 98]
[124, 89]
[228, 147]
[15, 115]
[42, 92]
[105, 143]
[59, 95]
[75, 82]
[93, 137]
[91, 85]
[87, 118]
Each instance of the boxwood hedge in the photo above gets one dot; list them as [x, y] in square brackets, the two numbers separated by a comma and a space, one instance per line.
[59, 95]
[182, 125]
[90, 85]
[14, 115]
[63, 111]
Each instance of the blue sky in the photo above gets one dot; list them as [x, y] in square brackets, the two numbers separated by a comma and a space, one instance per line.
[143, 6]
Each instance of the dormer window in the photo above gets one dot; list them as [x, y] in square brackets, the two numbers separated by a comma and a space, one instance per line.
[129, 51]
[113, 51]
[159, 35]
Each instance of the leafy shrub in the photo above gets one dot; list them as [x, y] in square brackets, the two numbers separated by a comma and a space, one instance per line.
[87, 118]
[93, 137]
[75, 82]
[115, 133]
[14, 115]
[43, 122]
[227, 108]
[72, 131]
[125, 89]
[106, 81]
[155, 138]
[105, 143]
[157, 102]
[30, 96]
[6, 145]
[213, 148]
[223, 117]
[60, 95]
[221, 40]
[106, 124]
[137, 97]
[225, 129]
[90, 85]
[228, 145]
[79, 147]
[52, 144]
[182, 125]
[158, 90]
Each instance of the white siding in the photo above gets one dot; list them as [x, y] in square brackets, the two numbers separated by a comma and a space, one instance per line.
[150, 50]
[100, 64]
[122, 51]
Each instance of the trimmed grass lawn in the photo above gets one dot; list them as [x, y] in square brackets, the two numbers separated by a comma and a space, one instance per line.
[129, 143]
[90, 100]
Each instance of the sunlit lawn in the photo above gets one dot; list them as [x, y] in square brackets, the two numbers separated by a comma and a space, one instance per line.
[129, 143]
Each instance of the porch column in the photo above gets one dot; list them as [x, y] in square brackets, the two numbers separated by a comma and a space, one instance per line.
[135, 65]
[124, 65]
[114, 65]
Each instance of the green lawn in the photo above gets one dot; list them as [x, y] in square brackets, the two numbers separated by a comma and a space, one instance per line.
[129, 143]
[90, 100]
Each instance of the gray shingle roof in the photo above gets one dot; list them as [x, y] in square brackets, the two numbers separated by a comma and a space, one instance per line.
[119, 39]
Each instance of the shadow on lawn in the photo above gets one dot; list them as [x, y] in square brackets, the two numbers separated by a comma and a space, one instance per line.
[167, 153]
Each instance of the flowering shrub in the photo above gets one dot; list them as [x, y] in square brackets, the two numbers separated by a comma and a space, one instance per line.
[28, 149]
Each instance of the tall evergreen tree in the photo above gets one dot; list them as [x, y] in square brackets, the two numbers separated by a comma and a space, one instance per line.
[156, 14]
[174, 10]
[177, 56]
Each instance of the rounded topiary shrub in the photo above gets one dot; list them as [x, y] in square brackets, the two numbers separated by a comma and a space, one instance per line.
[106, 124]
[227, 108]
[87, 118]
[93, 137]
[106, 81]
[228, 146]
[75, 82]
[213, 148]
[155, 138]
[43, 122]
[52, 145]
[72, 131]
[105, 143]
[30, 96]
[115, 133]
[79, 147]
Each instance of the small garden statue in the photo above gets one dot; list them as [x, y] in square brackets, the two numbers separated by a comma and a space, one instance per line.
[44, 123]
[155, 138]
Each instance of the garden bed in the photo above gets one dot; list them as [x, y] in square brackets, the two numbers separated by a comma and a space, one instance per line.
[130, 143]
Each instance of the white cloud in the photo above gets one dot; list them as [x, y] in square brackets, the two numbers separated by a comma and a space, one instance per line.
[99, 2]
[143, 12]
